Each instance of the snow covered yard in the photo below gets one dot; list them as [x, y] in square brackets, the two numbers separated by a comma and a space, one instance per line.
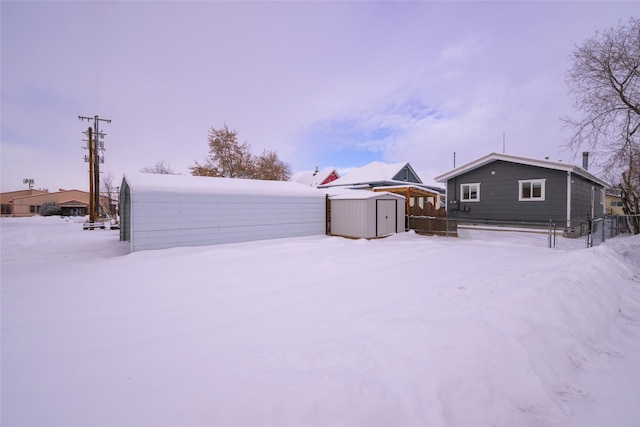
[316, 331]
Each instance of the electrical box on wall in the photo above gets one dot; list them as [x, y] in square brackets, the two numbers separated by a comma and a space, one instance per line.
[454, 205]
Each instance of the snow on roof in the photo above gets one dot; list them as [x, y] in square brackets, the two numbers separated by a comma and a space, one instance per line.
[373, 172]
[414, 187]
[148, 182]
[351, 194]
[315, 178]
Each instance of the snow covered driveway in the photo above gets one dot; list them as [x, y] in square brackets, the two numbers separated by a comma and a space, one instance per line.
[316, 331]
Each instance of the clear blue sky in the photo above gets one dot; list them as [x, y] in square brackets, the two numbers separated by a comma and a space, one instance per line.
[333, 84]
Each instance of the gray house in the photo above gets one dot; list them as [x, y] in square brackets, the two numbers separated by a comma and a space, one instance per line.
[503, 187]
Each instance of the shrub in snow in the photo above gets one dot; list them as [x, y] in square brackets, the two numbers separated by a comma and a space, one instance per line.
[50, 208]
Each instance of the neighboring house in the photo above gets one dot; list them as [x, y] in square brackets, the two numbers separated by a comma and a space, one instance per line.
[504, 187]
[316, 178]
[613, 202]
[7, 198]
[399, 178]
[377, 174]
[71, 202]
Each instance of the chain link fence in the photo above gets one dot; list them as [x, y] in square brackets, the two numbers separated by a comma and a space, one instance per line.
[565, 235]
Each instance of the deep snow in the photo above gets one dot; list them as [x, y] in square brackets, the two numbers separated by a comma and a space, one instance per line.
[316, 331]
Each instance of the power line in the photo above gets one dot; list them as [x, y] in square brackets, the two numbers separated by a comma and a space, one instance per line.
[96, 156]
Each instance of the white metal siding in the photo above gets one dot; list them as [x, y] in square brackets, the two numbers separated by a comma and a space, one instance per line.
[400, 217]
[357, 217]
[352, 218]
[170, 219]
[386, 220]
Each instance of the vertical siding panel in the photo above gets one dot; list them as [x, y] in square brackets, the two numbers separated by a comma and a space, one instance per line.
[357, 217]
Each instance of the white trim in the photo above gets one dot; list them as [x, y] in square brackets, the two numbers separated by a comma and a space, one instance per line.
[477, 199]
[568, 199]
[542, 181]
[561, 166]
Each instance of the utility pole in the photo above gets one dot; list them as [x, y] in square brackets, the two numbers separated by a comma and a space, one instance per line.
[96, 150]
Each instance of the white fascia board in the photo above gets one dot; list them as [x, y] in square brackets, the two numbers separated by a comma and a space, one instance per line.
[548, 164]
[414, 173]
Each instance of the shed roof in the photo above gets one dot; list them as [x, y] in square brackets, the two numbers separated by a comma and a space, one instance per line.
[147, 182]
[549, 164]
[363, 195]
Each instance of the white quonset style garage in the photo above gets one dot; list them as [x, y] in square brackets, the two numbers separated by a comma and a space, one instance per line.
[366, 214]
[164, 211]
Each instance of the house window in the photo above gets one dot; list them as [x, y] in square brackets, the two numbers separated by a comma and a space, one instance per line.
[32, 209]
[531, 190]
[6, 209]
[470, 192]
[616, 204]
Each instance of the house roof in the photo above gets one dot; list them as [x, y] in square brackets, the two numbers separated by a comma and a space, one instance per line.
[56, 194]
[149, 182]
[315, 178]
[375, 172]
[548, 164]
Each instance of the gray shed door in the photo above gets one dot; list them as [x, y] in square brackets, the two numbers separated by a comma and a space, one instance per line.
[386, 217]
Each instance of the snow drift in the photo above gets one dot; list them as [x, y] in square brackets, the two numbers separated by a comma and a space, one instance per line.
[316, 331]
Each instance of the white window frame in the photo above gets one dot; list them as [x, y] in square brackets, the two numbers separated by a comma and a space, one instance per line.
[542, 181]
[477, 199]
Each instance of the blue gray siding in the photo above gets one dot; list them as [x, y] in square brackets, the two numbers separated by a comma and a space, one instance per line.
[582, 191]
[499, 194]
[406, 174]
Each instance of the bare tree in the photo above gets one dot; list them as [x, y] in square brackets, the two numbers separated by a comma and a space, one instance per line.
[109, 194]
[605, 80]
[232, 159]
[160, 168]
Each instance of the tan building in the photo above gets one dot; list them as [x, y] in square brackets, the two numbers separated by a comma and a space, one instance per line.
[6, 199]
[28, 202]
[613, 203]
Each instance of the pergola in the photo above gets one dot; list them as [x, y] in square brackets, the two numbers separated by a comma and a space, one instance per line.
[410, 191]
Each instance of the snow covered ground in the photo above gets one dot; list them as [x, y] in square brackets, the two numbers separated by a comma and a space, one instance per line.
[316, 331]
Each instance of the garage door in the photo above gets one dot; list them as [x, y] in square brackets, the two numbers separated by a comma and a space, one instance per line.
[386, 217]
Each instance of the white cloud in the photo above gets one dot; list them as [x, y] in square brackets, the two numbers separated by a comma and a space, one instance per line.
[396, 80]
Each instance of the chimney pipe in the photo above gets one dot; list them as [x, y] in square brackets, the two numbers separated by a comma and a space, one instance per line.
[585, 160]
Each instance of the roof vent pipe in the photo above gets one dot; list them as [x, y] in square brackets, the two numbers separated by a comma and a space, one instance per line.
[585, 160]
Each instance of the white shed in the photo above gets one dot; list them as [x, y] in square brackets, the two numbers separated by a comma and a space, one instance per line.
[164, 211]
[367, 214]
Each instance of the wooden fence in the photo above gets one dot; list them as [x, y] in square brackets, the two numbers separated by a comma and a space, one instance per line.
[429, 220]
